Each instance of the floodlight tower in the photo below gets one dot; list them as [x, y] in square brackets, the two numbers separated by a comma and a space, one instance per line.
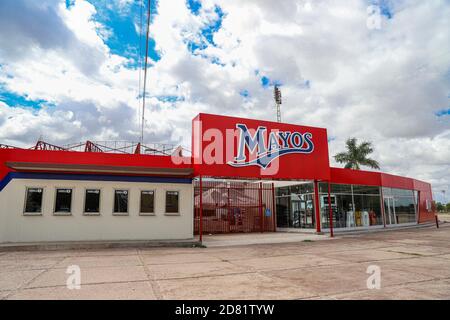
[277, 97]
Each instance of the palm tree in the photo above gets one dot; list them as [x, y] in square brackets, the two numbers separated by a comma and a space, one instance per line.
[356, 155]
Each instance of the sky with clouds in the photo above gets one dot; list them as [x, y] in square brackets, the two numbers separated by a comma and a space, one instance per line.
[69, 71]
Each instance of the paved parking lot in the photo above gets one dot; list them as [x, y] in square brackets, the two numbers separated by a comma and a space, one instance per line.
[415, 264]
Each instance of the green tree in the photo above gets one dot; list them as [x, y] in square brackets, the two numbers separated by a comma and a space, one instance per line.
[440, 207]
[447, 207]
[357, 155]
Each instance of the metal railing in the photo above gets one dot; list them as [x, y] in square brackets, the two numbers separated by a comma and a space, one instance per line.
[124, 147]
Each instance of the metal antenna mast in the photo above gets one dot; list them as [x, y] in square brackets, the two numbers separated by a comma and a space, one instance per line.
[145, 71]
[277, 97]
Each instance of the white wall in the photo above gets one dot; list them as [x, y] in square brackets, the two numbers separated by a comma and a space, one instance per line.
[17, 227]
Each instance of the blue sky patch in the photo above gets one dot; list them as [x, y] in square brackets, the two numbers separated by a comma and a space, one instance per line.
[124, 39]
[194, 6]
[215, 60]
[443, 112]
[244, 93]
[15, 100]
[385, 9]
[209, 30]
[267, 82]
[170, 98]
[206, 36]
[69, 3]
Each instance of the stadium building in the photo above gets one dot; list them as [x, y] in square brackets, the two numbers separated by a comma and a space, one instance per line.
[243, 175]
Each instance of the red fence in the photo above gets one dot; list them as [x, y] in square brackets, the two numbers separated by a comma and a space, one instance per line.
[231, 206]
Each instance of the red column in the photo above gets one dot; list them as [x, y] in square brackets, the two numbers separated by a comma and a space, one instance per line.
[274, 208]
[330, 209]
[228, 208]
[316, 205]
[261, 214]
[418, 207]
[201, 210]
[383, 211]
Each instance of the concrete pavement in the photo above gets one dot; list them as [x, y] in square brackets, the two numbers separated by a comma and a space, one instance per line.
[415, 264]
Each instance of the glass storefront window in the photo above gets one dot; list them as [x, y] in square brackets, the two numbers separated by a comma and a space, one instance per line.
[282, 191]
[400, 205]
[405, 209]
[367, 210]
[335, 188]
[352, 206]
[295, 206]
[342, 207]
[366, 190]
[283, 212]
[295, 189]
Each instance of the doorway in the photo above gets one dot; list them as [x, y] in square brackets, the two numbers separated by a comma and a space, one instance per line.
[234, 206]
[389, 209]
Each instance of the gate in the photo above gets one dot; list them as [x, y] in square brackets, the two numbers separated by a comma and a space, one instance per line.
[234, 206]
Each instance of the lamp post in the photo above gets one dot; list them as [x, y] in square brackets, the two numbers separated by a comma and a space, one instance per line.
[277, 97]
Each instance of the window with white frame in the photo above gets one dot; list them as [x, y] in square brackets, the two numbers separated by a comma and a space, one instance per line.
[63, 201]
[92, 201]
[121, 201]
[33, 200]
[172, 201]
[147, 203]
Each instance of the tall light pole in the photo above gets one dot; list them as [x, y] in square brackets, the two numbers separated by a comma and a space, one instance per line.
[277, 97]
[145, 72]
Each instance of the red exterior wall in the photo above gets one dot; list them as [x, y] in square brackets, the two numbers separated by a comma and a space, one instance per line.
[347, 176]
[424, 194]
[84, 158]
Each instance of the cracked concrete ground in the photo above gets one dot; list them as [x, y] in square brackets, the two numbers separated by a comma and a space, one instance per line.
[415, 264]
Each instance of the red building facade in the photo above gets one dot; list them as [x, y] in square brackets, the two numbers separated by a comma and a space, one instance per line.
[289, 162]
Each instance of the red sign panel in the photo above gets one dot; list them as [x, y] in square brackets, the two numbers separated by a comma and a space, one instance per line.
[246, 148]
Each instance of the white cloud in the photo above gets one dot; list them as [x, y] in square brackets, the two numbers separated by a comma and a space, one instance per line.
[381, 85]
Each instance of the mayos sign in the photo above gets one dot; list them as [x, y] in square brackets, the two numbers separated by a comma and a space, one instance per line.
[247, 148]
[268, 146]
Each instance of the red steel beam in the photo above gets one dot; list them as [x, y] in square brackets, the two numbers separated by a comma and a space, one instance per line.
[261, 214]
[274, 208]
[91, 147]
[316, 205]
[138, 149]
[201, 210]
[42, 145]
[330, 209]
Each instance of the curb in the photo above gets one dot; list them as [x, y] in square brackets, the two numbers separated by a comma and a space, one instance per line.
[52, 246]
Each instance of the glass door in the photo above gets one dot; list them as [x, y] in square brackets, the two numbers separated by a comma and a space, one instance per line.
[389, 209]
[295, 213]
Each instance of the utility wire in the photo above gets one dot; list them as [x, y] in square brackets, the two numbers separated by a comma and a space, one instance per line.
[145, 71]
[141, 5]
